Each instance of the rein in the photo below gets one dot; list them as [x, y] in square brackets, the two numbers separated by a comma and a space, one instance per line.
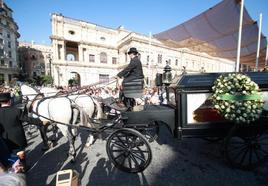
[72, 92]
[114, 121]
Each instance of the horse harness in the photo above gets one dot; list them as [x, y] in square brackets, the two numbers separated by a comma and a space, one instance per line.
[72, 102]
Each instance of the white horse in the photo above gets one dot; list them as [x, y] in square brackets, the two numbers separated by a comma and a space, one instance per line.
[57, 109]
[84, 105]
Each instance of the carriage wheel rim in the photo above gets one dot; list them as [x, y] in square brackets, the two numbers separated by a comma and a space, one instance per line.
[247, 153]
[132, 154]
[129, 151]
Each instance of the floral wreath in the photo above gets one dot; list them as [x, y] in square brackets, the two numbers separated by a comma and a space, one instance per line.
[237, 98]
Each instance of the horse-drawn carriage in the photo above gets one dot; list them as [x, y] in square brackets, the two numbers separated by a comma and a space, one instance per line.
[188, 113]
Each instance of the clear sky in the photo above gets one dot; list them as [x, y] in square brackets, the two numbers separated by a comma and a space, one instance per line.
[142, 16]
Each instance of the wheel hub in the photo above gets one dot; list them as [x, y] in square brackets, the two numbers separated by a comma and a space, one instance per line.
[255, 146]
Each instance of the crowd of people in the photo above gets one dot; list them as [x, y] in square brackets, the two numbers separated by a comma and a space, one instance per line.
[152, 95]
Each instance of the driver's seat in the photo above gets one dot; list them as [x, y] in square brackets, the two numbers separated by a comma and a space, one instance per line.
[131, 90]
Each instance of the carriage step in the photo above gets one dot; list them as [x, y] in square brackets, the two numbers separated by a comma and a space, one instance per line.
[139, 125]
[124, 117]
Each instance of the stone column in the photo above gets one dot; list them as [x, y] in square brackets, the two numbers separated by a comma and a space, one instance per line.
[6, 78]
[55, 49]
[80, 53]
[63, 52]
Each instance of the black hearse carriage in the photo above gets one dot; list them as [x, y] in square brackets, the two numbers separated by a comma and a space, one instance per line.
[244, 146]
[187, 113]
[190, 113]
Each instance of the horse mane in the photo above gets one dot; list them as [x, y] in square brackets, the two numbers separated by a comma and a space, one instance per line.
[49, 91]
[29, 91]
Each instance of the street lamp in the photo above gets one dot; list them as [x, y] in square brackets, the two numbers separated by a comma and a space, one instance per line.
[50, 60]
[167, 79]
[167, 76]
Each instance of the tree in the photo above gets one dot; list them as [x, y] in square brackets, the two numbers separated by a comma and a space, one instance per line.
[72, 82]
[2, 81]
[46, 79]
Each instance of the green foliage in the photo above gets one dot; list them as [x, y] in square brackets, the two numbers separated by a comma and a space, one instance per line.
[46, 79]
[73, 82]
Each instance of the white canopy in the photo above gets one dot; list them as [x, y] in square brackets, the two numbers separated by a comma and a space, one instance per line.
[215, 32]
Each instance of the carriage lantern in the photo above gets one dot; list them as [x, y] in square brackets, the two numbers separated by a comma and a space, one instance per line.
[167, 76]
[167, 79]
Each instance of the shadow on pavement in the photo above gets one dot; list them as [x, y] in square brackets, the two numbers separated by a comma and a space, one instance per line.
[104, 173]
[199, 162]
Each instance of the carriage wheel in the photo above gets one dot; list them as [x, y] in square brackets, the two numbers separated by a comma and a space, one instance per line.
[129, 150]
[246, 152]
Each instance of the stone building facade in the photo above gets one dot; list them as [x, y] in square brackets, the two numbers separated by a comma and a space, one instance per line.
[8, 44]
[96, 53]
[35, 59]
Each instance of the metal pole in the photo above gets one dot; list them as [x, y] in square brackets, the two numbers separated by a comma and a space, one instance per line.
[50, 68]
[167, 93]
[239, 37]
[266, 58]
[149, 62]
[259, 42]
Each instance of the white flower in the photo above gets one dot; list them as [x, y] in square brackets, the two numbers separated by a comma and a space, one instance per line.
[237, 111]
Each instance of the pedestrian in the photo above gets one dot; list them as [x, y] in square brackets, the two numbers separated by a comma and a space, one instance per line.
[265, 69]
[11, 129]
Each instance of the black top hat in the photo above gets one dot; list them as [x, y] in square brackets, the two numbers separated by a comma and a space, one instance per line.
[132, 51]
[4, 97]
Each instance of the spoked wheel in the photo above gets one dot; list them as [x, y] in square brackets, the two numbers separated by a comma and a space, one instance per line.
[246, 152]
[129, 150]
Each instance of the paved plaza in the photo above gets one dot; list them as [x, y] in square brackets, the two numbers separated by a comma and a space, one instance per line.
[186, 162]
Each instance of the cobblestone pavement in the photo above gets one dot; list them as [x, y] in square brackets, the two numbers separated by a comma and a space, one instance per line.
[186, 162]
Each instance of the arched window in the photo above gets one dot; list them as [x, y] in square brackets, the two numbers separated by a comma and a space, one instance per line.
[103, 57]
[71, 32]
[70, 57]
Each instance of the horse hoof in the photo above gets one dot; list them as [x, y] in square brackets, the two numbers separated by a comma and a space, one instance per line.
[73, 160]
[53, 138]
[47, 146]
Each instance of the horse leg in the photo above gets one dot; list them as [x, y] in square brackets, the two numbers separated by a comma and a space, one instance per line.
[71, 139]
[43, 132]
[85, 122]
[55, 132]
[90, 140]
[74, 119]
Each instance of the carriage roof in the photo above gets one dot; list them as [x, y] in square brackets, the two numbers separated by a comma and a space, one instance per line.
[206, 80]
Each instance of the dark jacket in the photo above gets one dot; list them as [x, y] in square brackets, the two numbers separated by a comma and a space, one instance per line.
[133, 71]
[11, 129]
